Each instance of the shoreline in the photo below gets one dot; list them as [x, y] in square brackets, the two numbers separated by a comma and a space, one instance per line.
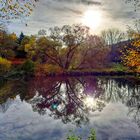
[95, 73]
[19, 74]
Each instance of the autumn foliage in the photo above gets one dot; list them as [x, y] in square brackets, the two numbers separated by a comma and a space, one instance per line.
[65, 49]
[131, 56]
[5, 65]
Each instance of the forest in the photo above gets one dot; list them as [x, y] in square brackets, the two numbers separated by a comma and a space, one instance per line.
[68, 49]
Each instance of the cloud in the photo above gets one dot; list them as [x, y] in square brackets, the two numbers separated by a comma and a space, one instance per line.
[87, 2]
[49, 13]
[119, 10]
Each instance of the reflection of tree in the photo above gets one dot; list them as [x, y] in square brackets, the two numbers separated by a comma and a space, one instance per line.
[6, 91]
[71, 99]
[134, 106]
[128, 92]
[12, 88]
[9, 90]
[66, 98]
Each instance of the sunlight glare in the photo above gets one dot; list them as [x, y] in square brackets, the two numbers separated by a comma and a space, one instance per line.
[90, 102]
[92, 19]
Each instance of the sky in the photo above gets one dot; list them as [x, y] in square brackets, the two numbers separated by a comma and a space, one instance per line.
[50, 13]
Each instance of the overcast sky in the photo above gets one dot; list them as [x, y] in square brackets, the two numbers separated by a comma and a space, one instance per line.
[49, 13]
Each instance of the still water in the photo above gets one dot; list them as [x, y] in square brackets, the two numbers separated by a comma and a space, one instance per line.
[49, 108]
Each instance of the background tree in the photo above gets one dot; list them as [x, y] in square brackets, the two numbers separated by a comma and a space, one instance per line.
[112, 36]
[42, 32]
[29, 46]
[133, 32]
[21, 36]
[8, 43]
[24, 41]
[93, 54]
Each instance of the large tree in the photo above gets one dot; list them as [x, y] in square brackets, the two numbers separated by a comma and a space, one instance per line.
[71, 38]
[69, 47]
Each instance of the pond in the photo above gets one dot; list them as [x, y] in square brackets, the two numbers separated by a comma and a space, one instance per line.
[51, 108]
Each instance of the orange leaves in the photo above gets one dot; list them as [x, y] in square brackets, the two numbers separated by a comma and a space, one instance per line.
[136, 43]
[131, 56]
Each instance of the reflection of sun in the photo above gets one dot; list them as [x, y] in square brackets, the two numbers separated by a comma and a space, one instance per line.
[90, 102]
[92, 18]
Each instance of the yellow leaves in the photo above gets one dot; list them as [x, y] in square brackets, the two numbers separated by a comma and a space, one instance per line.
[131, 56]
[30, 46]
[27, 47]
[136, 43]
[13, 36]
[5, 61]
[42, 41]
[5, 65]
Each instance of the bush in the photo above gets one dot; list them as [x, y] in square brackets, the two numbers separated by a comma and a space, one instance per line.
[28, 66]
[119, 67]
[5, 65]
[73, 137]
[92, 136]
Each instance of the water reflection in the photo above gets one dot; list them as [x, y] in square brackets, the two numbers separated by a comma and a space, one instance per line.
[68, 99]
[72, 99]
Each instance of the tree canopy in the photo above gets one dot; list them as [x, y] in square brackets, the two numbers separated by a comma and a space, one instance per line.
[15, 9]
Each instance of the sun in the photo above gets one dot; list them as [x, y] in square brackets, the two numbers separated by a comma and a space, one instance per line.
[92, 19]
